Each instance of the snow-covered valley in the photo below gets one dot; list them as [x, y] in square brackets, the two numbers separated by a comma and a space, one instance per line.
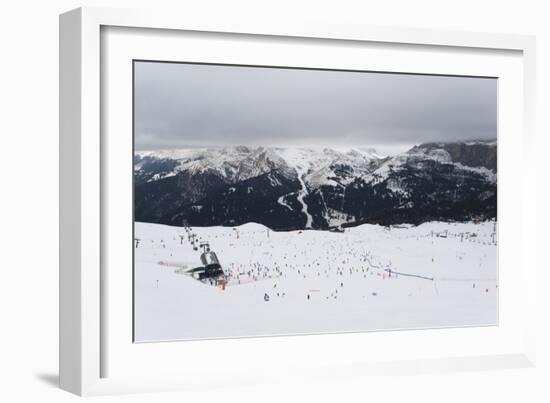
[367, 278]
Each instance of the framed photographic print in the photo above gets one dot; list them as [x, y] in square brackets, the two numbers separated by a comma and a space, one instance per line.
[273, 201]
[327, 186]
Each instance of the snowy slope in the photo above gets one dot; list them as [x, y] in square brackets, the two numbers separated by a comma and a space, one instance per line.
[233, 163]
[418, 156]
[319, 166]
[240, 163]
[441, 275]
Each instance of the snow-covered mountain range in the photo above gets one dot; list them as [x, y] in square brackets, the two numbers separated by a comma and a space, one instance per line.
[297, 188]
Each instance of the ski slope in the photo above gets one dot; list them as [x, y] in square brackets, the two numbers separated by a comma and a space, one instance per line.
[302, 193]
[367, 278]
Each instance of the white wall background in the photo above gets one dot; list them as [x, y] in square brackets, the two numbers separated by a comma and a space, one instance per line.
[29, 201]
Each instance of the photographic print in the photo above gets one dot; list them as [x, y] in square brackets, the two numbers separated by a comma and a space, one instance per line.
[280, 201]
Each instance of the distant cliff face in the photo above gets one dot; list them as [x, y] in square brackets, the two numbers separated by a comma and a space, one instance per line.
[474, 154]
[297, 188]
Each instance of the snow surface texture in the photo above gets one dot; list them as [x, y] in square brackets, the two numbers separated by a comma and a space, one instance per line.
[368, 278]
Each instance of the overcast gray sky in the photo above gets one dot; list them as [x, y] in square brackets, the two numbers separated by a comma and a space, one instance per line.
[189, 105]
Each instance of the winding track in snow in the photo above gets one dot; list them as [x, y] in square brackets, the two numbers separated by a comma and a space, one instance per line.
[303, 193]
[282, 202]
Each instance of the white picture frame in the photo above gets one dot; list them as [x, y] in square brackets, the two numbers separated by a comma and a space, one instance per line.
[85, 347]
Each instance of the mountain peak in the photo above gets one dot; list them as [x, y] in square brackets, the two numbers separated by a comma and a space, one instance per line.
[474, 154]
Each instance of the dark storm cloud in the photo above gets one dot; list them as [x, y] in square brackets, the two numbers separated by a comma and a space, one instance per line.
[186, 105]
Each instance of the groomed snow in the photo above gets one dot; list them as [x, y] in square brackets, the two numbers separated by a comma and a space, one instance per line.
[447, 276]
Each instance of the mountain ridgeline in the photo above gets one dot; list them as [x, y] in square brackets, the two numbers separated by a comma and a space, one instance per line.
[300, 188]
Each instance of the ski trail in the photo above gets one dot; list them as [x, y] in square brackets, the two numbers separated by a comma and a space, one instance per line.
[281, 201]
[302, 194]
[325, 211]
[343, 197]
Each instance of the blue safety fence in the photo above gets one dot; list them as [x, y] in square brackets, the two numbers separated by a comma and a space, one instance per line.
[409, 275]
